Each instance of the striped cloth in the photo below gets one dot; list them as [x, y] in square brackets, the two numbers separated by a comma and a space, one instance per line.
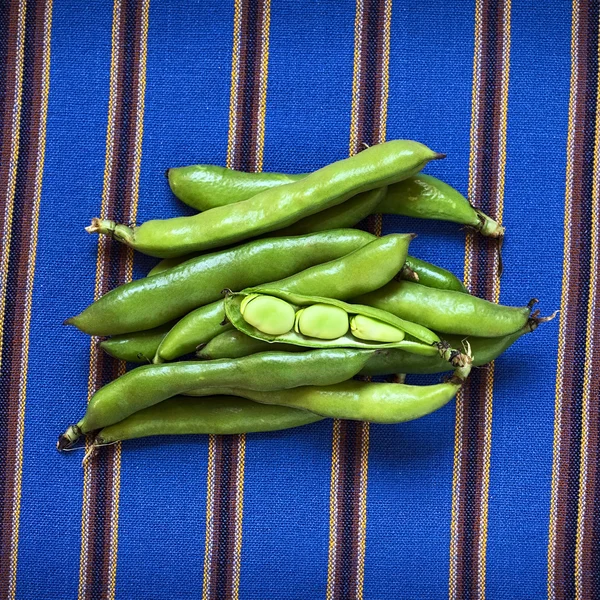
[497, 495]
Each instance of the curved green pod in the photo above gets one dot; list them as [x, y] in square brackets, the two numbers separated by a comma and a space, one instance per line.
[138, 347]
[431, 275]
[150, 384]
[209, 186]
[427, 197]
[447, 311]
[420, 340]
[367, 268]
[275, 208]
[152, 301]
[362, 401]
[235, 344]
[213, 415]
[206, 186]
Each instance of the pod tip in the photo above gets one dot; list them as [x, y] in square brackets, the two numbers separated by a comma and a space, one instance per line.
[94, 226]
[439, 156]
[69, 321]
[167, 173]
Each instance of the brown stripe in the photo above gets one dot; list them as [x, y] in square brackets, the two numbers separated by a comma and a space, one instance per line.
[18, 249]
[114, 269]
[473, 402]
[574, 331]
[370, 73]
[221, 569]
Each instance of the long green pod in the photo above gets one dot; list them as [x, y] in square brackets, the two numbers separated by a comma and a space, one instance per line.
[367, 268]
[207, 186]
[235, 344]
[151, 384]
[138, 347]
[431, 275]
[152, 301]
[362, 401]
[420, 341]
[275, 208]
[447, 311]
[213, 415]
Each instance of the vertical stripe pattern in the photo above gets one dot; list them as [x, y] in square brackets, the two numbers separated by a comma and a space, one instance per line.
[468, 539]
[350, 446]
[100, 509]
[225, 479]
[25, 54]
[574, 536]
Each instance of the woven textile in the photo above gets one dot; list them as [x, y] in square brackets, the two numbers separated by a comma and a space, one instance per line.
[496, 495]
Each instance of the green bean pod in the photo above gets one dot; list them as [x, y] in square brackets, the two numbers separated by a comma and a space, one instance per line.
[209, 186]
[362, 401]
[215, 415]
[348, 214]
[152, 301]
[420, 340]
[275, 208]
[235, 344]
[447, 311]
[150, 384]
[206, 186]
[367, 269]
[138, 347]
[427, 197]
[431, 275]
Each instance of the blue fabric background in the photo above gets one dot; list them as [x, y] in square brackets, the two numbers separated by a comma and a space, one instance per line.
[287, 475]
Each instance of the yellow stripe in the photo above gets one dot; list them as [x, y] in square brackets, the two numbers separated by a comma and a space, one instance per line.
[210, 498]
[335, 461]
[385, 73]
[235, 75]
[264, 73]
[239, 506]
[468, 270]
[100, 264]
[362, 511]
[588, 367]
[460, 399]
[556, 461]
[19, 438]
[354, 141]
[14, 159]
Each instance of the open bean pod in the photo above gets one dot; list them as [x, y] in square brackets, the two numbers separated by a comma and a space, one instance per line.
[279, 316]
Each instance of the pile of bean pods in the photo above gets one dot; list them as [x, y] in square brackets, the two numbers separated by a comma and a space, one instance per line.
[267, 304]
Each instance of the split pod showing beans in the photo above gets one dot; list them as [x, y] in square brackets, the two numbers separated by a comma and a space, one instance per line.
[377, 166]
[274, 315]
[365, 269]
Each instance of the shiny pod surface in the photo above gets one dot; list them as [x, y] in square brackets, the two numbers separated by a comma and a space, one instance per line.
[362, 401]
[367, 268]
[149, 302]
[447, 311]
[147, 385]
[277, 207]
[215, 415]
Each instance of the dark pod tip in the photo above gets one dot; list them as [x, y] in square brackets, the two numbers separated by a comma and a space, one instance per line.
[63, 443]
[439, 156]
[167, 173]
[69, 321]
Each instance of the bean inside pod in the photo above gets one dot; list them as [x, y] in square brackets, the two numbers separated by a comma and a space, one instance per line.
[327, 323]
